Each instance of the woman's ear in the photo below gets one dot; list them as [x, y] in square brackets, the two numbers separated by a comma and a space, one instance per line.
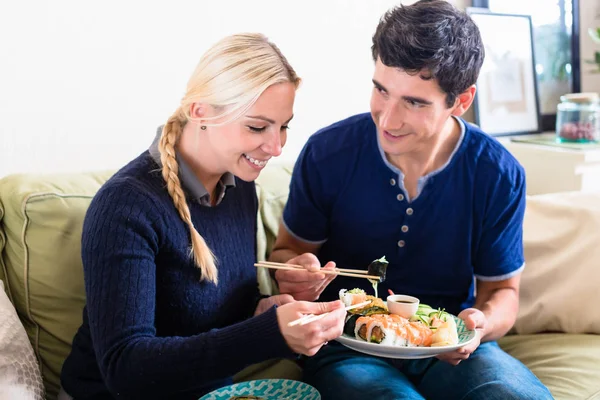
[198, 111]
[464, 101]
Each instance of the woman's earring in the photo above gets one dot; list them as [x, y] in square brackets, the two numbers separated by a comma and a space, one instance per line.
[203, 127]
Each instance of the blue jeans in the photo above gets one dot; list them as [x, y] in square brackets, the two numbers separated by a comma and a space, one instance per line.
[489, 373]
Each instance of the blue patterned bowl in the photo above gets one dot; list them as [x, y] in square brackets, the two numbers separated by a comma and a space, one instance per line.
[267, 389]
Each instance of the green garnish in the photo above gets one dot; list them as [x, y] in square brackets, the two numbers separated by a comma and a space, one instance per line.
[356, 291]
[441, 311]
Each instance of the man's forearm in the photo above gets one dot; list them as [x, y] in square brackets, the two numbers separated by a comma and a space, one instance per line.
[282, 255]
[500, 309]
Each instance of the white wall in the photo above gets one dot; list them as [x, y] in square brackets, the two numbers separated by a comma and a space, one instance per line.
[589, 14]
[84, 84]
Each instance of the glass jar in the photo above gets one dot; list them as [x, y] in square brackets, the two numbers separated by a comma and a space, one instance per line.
[578, 118]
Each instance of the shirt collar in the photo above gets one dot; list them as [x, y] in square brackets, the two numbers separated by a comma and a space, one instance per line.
[188, 179]
[458, 143]
[423, 180]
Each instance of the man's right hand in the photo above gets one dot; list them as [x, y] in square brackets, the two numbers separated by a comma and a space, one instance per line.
[307, 284]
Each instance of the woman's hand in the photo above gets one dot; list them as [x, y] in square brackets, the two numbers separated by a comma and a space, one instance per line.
[474, 319]
[307, 284]
[277, 300]
[308, 339]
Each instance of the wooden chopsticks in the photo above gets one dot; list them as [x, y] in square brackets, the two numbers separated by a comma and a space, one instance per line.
[307, 319]
[354, 273]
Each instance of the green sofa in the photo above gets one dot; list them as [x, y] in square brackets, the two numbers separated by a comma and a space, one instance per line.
[40, 226]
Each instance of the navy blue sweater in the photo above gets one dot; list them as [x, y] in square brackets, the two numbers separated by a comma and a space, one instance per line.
[150, 328]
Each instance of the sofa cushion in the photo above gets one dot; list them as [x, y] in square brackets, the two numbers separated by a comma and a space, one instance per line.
[43, 217]
[568, 364]
[559, 287]
[272, 189]
[19, 371]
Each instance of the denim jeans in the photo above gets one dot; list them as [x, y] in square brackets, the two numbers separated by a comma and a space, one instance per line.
[489, 373]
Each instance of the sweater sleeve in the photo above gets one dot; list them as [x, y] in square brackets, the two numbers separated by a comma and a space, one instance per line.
[120, 242]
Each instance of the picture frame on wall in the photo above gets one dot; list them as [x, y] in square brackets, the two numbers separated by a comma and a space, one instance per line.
[506, 101]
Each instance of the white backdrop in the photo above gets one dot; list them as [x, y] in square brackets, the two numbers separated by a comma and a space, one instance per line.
[84, 84]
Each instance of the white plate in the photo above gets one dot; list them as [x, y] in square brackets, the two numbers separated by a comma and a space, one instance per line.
[465, 337]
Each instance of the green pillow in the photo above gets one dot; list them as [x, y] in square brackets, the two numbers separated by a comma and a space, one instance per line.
[42, 222]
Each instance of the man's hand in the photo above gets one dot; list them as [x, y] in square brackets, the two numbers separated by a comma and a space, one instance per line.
[307, 284]
[267, 303]
[474, 319]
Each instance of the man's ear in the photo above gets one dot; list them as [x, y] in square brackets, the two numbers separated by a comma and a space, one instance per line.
[464, 101]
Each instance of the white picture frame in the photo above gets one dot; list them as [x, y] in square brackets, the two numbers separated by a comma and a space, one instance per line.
[506, 101]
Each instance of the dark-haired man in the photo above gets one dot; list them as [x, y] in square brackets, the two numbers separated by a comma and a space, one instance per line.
[440, 199]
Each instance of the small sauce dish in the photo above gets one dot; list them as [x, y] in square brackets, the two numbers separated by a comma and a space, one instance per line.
[402, 305]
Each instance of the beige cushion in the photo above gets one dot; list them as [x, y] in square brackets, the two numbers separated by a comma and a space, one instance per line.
[568, 364]
[559, 288]
[20, 376]
[272, 189]
[42, 222]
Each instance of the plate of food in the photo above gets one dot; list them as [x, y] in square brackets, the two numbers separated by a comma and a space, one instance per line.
[374, 330]
[265, 389]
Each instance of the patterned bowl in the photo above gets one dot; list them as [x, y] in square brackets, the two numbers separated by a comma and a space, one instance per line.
[267, 389]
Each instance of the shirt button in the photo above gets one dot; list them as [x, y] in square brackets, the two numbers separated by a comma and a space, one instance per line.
[401, 243]
[392, 181]
[400, 197]
[404, 228]
[409, 211]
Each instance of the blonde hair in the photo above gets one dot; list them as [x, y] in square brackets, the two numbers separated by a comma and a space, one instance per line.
[230, 76]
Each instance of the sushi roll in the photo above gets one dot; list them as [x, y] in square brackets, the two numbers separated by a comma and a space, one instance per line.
[378, 329]
[356, 296]
[382, 329]
[350, 324]
[446, 334]
[352, 297]
[378, 267]
[392, 330]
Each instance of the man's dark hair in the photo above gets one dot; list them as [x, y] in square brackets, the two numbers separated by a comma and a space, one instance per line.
[433, 38]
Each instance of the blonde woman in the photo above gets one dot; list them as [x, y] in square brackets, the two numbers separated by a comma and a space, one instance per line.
[168, 244]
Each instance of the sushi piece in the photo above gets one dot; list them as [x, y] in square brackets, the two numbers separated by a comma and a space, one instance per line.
[418, 334]
[356, 296]
[350, 324]
[445, 334]
[380, 328]
[392, 330]
[352, 297]
[378, 267]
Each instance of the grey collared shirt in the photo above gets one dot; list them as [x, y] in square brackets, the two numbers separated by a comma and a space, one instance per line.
[189, 180]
